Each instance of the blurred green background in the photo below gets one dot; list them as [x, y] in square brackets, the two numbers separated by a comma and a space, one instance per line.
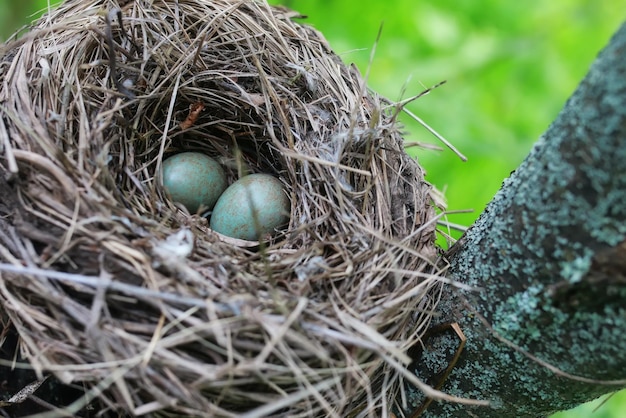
[509, 68]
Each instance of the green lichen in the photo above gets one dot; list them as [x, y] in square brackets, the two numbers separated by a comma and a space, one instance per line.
[531, 254]
[573, 271]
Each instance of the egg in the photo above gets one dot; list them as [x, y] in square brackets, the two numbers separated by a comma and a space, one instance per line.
[194, 180]
[251, 207]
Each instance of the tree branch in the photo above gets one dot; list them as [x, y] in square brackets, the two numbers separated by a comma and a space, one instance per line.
[549, 257]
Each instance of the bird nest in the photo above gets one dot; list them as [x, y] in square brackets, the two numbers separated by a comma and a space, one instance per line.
[113, 288]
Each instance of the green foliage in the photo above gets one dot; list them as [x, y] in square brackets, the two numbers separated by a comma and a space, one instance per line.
[509, 67]
[611, 406]
[14, 14]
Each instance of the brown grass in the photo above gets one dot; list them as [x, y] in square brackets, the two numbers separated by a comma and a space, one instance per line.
[112, 286]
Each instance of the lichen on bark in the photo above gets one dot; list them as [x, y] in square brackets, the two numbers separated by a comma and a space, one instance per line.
[545, 259]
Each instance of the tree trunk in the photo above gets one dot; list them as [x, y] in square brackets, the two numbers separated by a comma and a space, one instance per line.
[546, 323]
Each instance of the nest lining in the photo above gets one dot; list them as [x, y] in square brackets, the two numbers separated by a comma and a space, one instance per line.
[111, 285]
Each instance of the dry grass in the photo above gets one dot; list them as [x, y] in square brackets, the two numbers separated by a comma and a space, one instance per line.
[110, 285]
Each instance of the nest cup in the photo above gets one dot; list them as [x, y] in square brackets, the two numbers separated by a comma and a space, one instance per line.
[112, 287]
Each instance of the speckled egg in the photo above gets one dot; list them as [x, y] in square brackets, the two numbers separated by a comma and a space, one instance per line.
[251, 207]
[193, 179]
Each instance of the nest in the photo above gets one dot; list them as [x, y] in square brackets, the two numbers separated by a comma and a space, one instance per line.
[115, 289]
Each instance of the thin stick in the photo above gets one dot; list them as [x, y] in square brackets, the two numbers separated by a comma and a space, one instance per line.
[436, 134]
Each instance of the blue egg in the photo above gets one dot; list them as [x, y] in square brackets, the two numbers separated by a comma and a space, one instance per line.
[251, 207]
[194, 180]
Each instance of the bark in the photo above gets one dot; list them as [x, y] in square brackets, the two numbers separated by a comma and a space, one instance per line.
[547, 319]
